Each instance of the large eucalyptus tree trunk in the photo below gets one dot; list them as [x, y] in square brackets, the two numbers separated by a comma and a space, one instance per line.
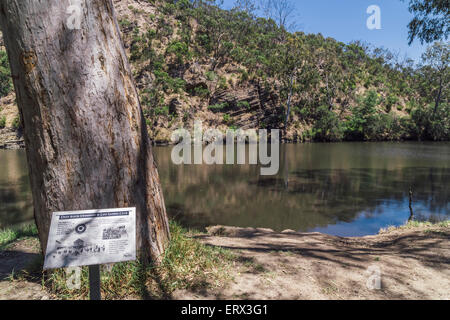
[86, 140]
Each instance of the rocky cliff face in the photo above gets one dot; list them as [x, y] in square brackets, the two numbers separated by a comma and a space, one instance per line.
[11, 138]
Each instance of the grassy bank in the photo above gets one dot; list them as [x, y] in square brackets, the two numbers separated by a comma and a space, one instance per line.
[9, 236]
[187, 264]
[416, 224]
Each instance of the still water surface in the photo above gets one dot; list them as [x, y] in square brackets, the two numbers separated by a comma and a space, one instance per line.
[346, 189]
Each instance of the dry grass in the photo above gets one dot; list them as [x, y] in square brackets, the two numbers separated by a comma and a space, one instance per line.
[187, 264]
[416, 224]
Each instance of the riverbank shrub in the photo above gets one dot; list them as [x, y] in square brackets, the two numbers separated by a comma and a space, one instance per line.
[430, 124]
[16, 123]
[218, 107]
[2, 122]
[5, 75]
[362, 124]
[327, 127]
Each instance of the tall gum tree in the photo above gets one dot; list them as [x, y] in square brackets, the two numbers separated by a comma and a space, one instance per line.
[86, 140]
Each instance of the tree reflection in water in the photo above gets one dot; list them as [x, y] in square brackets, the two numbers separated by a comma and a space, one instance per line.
[16, 205]
[343, 188]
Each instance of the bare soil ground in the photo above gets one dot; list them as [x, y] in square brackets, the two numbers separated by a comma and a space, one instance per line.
[414, 264]
[19, 256]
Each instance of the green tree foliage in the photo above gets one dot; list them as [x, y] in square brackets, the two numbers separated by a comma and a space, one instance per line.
[327, 127]
[428, 125]
[342, 91]
[338, 91]
[2, 122]
[5, 74]
[436, 62]
[361, 125]
[431, 20]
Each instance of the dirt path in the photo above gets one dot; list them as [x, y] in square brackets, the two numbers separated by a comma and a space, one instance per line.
[15, 258]
[413, 264]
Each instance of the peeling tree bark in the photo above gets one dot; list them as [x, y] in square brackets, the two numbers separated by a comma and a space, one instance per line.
[86, 139]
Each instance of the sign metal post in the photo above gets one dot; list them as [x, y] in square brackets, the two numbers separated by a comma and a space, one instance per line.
[94, 282]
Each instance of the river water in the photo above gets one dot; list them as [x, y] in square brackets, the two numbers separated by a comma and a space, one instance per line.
[345, 189]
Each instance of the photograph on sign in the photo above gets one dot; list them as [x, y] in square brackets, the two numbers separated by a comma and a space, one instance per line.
[90, 237]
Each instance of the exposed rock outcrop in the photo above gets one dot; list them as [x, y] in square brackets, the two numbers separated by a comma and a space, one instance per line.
[11, 139]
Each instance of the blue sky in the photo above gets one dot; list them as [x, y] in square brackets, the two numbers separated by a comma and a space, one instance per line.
[345, 20]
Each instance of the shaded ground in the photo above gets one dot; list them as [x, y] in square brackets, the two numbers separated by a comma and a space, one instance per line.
[414, 264]
[15, 258]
